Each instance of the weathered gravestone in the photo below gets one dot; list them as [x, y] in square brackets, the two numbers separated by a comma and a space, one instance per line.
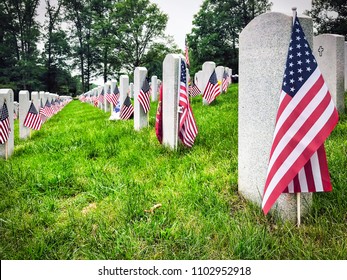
[154, 87]
[16, 108]
[263, 51]
[7, 94]
[24, 104]
[200, 81]
[207, 68]
[170, 100]
[140, 117]
[219, 74]
[328, 50]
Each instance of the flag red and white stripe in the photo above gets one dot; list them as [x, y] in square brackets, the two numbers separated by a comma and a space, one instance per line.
[187, 125]
[112, 97]
[127, 109]
[5, 128]
[33, 119]
[305, 118]
[144, 95]
[212, 89]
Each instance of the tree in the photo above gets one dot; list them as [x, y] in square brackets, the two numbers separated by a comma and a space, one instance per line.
[20, 33]
[329, 16]
[57, 49]
[216, 28]
[153, 59]
[141, 22]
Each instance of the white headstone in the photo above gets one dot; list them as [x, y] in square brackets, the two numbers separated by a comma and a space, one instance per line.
[328, 50]
[131, 88]
[170, 100]
[200, 81]
[123, 88]
[140, 118]
[262, 56]
[24, 104]
[7, 94]
[35, 98]
[207, 69]
[154, 86]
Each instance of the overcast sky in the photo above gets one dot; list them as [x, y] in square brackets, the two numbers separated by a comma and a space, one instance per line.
[181, 14]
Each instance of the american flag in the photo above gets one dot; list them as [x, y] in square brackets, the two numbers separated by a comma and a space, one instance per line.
[127, 109]
[225, 81]
[53, 107]
[193, 89]
[43, 112]
[187, 53]
[143, 96]
[212, 89]
[5, 128]
[33, 119]
[305, 118]
[15, 114]
[48, 109]
[187, 126]
[101, 96]
[112, 97]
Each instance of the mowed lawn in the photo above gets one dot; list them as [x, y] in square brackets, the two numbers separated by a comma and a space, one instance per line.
[79, 188]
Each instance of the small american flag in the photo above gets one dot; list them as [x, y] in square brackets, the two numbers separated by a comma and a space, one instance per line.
[33, 119]
[212, 89]
[143, 96]
[187, 125]
[15, 114]
[225, 81]
[193, 89]
[43, 112]
[101, 96]
[5, 128]
[305, 118]
[127, 109]
[187, 53]
[112, 97]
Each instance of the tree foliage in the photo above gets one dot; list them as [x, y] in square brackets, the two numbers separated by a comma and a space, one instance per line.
[216, 29]
[329, 16]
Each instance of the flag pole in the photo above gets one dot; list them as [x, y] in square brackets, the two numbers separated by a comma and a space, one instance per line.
[6, 150]
[298, 195]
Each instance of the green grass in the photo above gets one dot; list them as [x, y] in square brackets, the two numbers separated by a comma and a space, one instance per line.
[79, 187]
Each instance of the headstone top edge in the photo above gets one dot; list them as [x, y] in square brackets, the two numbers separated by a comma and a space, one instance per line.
[333, 35]
[6, 90]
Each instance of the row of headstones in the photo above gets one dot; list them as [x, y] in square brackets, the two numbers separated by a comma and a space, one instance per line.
[262, 55]
[21, 109]
[125, 89]
[202, 76]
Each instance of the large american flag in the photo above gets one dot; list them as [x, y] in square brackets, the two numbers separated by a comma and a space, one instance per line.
[187, 126]
[143, 96]
[193, 89]
[212, 89]
[33, 119]
[112, 97]
[305, 118]
[4, 124]
[187, 53]
[127, 109]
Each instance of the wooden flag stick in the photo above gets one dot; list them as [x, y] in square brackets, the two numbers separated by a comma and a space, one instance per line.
[298, 205]
[6, 150]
